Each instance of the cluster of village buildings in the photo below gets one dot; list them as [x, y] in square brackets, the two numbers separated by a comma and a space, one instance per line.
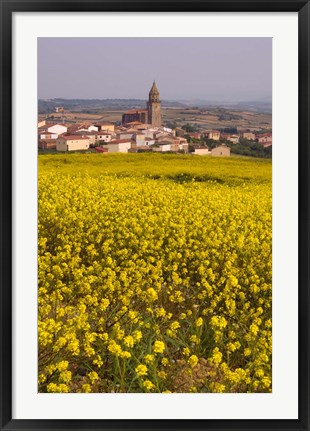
[141, 130]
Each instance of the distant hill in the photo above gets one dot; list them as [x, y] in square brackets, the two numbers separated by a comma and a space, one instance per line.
[264, 105]
[93, 106]
[98, 105]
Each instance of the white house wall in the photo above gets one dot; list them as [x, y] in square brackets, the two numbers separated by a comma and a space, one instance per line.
[119, 148]
[202, 151]
[57, 128]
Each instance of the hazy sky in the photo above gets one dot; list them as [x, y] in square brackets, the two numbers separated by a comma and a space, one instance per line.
[214, 69]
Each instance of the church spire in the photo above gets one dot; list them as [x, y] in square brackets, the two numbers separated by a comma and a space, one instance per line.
[154, 93]
[153, 107]
[154, 89]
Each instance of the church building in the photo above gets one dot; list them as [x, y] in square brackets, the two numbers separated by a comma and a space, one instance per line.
[153, 107]
[151, 115]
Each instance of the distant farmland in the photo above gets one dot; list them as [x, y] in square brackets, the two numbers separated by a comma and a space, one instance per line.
[202, 118]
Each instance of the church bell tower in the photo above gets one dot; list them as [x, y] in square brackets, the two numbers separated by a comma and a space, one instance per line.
[153, 107]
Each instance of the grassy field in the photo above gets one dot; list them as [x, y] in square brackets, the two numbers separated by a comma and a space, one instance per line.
[154, 273]
[231, 170]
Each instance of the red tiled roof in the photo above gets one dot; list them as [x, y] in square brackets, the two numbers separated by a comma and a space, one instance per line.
[101, 150]
[73, 137]
[83, 132]
[74, 127]
[48, 141]
[263, 135]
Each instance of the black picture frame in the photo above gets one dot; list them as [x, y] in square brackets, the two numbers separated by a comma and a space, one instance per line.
[8, 7]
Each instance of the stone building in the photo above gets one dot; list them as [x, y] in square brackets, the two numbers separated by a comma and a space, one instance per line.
[249, 135]
[133, 115]
[150, 115]
[72, 143]
[221, 151]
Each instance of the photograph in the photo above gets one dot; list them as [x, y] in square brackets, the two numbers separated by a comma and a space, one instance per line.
[154, 256]
[154, 214]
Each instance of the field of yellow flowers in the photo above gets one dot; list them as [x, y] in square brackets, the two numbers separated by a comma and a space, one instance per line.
[154, 273]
